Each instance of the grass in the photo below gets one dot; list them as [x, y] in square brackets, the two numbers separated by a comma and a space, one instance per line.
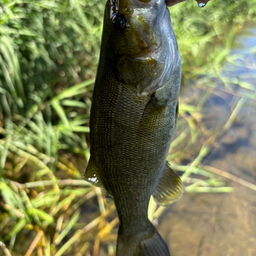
[48, 57]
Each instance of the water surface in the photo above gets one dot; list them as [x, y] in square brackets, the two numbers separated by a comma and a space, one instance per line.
[223, 224]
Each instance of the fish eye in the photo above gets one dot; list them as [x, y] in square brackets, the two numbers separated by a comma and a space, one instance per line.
[119, 21]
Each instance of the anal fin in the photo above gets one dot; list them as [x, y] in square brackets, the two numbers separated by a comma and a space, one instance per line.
[169, 188]
[91, 174]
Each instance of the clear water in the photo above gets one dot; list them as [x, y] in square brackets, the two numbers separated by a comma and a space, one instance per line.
[223, 224]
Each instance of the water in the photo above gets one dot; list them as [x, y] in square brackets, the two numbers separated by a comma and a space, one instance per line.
[223, 224]
[202, 3]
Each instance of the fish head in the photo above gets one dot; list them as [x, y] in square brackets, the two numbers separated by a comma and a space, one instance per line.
[136, 25]
[142, 40]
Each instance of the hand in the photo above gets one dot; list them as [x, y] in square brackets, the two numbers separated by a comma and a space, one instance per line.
[173, 2]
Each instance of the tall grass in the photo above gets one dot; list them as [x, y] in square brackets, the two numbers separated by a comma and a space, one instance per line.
[48, 58]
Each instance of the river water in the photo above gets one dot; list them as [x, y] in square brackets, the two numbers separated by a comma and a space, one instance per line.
[223, 224]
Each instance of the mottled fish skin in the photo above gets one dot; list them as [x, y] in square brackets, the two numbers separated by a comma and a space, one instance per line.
[133, 118]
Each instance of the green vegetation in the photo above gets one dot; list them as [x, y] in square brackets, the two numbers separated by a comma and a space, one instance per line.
[48, 59]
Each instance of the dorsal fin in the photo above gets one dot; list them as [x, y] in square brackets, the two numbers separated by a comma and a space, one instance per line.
[169, 188]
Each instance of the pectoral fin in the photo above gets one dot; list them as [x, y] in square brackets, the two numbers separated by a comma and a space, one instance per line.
[91, 174]
[169, 188]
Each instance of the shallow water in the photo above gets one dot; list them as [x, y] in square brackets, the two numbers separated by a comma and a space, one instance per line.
[223, 224]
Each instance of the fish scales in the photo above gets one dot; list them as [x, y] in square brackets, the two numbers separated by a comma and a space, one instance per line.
[133, 118]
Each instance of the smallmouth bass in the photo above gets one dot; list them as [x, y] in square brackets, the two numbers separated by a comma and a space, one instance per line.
[133, 116]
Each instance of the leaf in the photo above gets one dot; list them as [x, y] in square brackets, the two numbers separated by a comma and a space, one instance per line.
[69, 226]
[17, 228]
[43, 216]
[72, 91]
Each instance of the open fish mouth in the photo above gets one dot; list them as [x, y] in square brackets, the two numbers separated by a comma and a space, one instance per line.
[155, 47]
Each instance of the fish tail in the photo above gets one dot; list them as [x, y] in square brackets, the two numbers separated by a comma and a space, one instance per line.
[138, 245]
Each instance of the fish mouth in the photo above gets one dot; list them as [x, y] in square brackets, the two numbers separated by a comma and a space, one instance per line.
[153, 48]
[148, 52]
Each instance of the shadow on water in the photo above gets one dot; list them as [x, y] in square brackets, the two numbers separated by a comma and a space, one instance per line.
[223, 224]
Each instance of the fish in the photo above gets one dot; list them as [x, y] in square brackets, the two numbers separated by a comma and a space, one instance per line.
[133, 117]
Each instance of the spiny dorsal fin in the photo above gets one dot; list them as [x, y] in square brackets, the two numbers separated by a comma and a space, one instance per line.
[91, 174]
[169, 188]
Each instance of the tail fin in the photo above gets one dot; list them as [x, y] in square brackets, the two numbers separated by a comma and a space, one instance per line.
[153, 245]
